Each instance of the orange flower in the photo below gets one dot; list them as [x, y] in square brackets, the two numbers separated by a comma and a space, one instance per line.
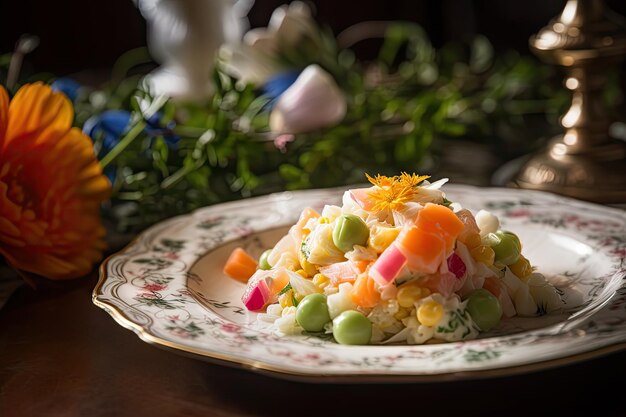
[51, 187]
[391, 193]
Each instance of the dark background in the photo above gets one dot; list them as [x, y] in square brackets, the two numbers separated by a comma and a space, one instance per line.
[79, 35]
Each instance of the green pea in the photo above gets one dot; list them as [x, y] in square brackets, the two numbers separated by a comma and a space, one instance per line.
[263, 263]
[352, 328]
[350, 230]
[506, 246]
[312, 313]
[484, 308]
[510, 235]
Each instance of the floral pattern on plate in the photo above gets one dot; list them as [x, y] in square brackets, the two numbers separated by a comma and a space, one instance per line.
[169, 288]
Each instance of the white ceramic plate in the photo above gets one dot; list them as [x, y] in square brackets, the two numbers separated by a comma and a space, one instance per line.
[168, 287]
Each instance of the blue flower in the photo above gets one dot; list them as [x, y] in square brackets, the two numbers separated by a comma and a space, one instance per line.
[278, 84]
[155, 128]
[112, 125]
[67, 86]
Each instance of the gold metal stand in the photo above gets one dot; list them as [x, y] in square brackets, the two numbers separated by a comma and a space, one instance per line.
[584, 162]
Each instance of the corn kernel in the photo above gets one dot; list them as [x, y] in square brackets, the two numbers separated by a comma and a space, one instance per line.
[307, 266]
[321, 281]
[306, 229]
[430, 313]
[402, 313]
[521, 268]
[286, 299]
[324, 220]
[382, 238]
[484, 254]
[473, 241]
[302, 273]
[408, 294]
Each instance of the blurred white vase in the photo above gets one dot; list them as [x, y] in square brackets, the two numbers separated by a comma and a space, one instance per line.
[184, 36]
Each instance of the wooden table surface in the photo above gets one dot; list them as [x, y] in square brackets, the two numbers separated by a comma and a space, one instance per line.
[60, 355]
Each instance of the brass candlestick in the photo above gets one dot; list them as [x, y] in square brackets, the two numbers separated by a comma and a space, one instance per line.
[584, 162]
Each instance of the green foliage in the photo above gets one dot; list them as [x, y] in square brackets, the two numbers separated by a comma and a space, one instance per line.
[402, 109]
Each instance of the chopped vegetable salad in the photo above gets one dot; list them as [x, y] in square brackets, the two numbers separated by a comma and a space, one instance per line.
[397, 262]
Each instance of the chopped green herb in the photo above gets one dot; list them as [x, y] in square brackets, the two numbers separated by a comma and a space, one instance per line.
[457, 318]
[285, 289]
[304, 248]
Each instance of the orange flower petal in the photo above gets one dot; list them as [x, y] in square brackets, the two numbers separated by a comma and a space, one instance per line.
[8, 228]
[10, 234]
[54, 266]
[11, 241]
[51, 188]
[35, 112]
[93, 185]
[4, 113]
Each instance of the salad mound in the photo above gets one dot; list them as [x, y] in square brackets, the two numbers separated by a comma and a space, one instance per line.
[397, 262]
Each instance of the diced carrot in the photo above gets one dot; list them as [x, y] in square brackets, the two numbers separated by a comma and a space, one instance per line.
[364, 292]
[424, 251]
[492, 285]
[240, 265]
[361, 266]
[440, 220]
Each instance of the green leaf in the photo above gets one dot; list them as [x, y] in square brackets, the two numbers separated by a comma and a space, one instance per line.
[290, 172]
[482, 54]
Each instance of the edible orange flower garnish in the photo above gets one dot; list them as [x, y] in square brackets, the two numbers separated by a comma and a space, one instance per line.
[411, 180]
[391, 193]
[51, 187]
[381, 180]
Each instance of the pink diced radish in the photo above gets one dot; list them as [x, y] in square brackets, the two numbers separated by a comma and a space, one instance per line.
[456, 265]
[388, 265]
[256, 296]
[263, 288]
